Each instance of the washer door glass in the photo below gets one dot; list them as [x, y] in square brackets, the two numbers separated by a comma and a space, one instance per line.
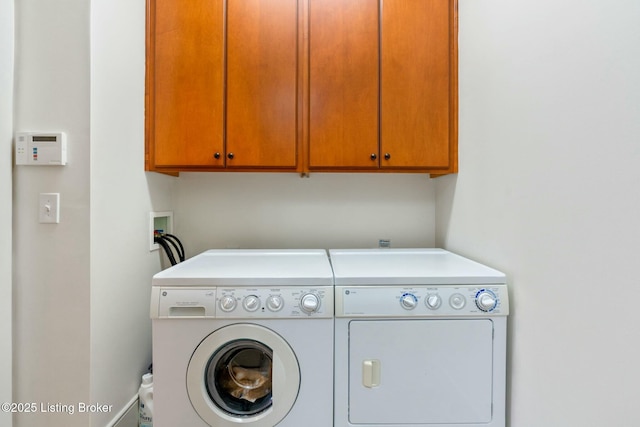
[238, 377]
[243, 374]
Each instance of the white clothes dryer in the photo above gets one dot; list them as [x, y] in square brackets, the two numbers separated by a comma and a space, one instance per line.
[244, 338]
[420, 339]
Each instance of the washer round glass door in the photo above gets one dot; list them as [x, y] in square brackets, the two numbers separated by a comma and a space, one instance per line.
[243, 374]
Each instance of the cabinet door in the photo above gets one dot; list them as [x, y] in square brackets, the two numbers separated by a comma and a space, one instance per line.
[187, 83]
[262, 83]
[344, 83]
[416, 84]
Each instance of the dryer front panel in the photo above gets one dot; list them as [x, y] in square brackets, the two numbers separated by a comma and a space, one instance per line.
[420, 372]
[243, 374]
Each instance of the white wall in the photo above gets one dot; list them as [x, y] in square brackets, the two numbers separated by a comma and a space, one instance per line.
[51, 264]
[122, 196]
[254, 210]
[6, 135]
[549, 192]
[81, 330]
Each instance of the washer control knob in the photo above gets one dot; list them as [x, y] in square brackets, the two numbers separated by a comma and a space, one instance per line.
[227, 303]
[275, 303]
[433, 301]
[486, 300]
[310, 303]
[408, 301]
[251, 303]
[457, 301]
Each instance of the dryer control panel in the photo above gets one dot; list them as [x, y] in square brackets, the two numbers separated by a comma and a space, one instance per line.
[422, 301]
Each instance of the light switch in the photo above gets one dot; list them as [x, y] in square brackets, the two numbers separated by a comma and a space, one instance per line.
[49, 208]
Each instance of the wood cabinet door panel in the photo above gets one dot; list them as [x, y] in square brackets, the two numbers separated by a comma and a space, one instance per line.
[415, 83]
[262, 83]
[344, 83]
[188, 82]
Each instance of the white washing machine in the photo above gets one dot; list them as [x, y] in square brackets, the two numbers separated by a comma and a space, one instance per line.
[420, 339]
[244, 337]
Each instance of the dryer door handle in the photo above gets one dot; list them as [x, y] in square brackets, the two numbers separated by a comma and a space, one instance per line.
[371, 373]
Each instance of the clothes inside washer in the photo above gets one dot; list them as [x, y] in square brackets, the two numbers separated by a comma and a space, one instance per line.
[245, 370]
[245, 383]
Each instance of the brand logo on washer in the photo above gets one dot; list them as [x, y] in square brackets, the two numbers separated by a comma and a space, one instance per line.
[347, 292]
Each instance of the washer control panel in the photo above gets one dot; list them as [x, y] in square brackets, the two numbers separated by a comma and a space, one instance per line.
[283, 302]
[237, 302]
[421, 301]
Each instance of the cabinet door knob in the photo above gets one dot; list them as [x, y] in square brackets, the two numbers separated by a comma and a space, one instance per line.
[230, 156]
[217, 155]
[387, 156]
[374, 156]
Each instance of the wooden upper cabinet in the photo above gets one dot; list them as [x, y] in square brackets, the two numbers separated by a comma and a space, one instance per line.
[301, 85]
[185, 83]
[222, 91]
[383, 85]
[343, 83]
[418, 85]
[262, 72]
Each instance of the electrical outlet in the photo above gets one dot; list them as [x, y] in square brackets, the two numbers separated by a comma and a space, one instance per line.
[49, 208]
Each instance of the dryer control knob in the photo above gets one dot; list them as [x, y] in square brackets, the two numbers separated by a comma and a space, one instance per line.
[486, 300]
[457, 301]
[227, 303]
[433, 301]
[251, 303]
[275, 303]
[408, 301]
[310, 303]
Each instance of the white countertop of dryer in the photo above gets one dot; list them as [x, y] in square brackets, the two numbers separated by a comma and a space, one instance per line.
[391, 266]
[249, 267]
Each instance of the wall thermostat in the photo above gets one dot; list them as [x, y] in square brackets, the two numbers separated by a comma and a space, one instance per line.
[41, 148]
